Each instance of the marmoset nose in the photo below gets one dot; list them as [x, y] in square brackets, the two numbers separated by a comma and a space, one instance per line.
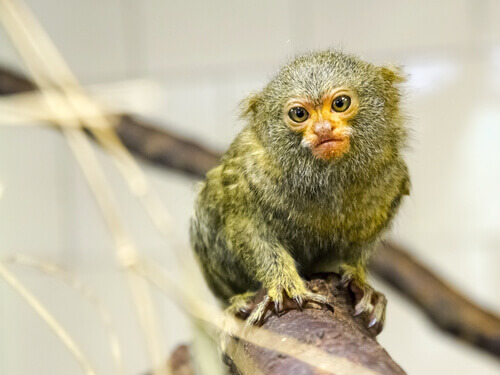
[322, 128]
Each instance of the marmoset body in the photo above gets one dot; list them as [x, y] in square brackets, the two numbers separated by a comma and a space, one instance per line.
[312, 180]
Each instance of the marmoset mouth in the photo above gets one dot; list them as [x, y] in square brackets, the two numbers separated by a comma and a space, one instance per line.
[330, 148]
[330, 141]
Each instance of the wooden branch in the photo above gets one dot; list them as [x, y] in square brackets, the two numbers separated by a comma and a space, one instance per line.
[180, 361]
[448, 309]
[337, 342]
[14, 83]
[353, 347]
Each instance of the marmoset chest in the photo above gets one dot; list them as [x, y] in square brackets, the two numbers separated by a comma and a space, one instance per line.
[349, 220]
[318, 208]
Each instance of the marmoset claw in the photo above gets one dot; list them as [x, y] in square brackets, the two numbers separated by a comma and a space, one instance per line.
[280, 305]
[242, 305]
[370, 302]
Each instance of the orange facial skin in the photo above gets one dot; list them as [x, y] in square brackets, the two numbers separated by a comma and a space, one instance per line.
[326, 132]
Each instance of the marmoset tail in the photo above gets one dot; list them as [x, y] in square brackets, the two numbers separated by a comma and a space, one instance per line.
[313, 180]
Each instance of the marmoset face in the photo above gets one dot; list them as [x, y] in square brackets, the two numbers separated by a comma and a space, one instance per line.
[325, 125]
[330, 107]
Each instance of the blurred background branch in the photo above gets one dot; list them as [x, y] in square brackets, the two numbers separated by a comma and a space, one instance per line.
[450, 310]
[150, 142]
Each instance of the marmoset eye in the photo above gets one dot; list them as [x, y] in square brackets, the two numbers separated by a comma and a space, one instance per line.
[298, 114]
[341, 103]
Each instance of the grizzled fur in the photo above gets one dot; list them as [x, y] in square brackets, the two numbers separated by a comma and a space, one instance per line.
[272, 208]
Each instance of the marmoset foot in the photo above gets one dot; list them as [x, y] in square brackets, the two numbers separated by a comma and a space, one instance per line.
[241, 305]
[367, 300]
[254, 307]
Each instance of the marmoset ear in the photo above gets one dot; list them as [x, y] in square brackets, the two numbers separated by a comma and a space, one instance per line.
[393, 74]
[249, 106]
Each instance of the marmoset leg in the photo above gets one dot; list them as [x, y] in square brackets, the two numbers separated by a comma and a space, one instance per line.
[367, 300]
[269, 263]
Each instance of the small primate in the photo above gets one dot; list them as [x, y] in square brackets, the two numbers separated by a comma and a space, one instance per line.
[312, 182]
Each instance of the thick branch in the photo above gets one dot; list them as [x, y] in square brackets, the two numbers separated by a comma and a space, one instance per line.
[337, 342]
[353, 348]
[451, 311]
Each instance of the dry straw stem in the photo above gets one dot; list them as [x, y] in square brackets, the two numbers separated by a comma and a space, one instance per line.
[76, 109]
[126, 251]
[93, 117]
[48, 68]
[70, 279]
[30, 108]
[53, 75]
[49, 319]
[22, 109]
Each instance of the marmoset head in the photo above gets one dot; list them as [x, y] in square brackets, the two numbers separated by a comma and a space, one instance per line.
[329, 106]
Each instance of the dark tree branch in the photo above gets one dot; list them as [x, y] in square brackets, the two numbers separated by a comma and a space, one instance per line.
[14, 83]
[447, 308]
[164, 148]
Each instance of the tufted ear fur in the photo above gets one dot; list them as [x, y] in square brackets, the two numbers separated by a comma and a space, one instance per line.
[392, 74]
[250, 104]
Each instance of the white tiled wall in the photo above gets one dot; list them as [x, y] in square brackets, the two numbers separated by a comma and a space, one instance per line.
[206, 56]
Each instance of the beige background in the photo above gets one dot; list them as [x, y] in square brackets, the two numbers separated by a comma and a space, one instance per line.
[205, 56]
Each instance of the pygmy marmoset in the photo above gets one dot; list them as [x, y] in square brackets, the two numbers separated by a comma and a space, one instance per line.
[313, 179]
